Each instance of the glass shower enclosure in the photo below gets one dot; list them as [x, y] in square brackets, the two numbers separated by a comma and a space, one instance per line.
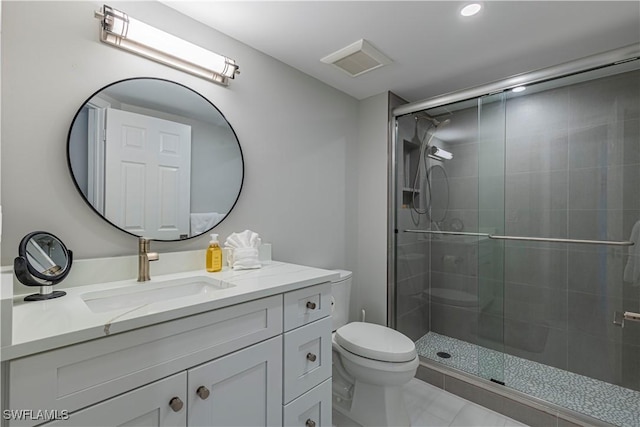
[515, 233]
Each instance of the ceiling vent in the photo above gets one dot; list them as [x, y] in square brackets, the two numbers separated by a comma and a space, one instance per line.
[357, 58]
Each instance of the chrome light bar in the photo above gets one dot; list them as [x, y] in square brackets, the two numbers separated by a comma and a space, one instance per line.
[120, 30]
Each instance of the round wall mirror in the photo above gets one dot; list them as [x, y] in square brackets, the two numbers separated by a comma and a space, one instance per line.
[155, 159]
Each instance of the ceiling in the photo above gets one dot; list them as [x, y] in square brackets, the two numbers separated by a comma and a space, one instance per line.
[164, 96]
[434, 49]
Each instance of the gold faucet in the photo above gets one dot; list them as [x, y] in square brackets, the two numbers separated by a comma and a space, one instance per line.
[144, 256]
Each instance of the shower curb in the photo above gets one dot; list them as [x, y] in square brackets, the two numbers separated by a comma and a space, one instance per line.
[500, 399]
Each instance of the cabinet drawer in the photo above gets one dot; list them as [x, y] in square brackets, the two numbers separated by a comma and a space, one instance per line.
[77, 376]
[312, 409]
[151, 407]
[306, 305]
[307, 358]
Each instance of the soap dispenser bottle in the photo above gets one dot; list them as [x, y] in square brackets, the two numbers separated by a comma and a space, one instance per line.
[214, 255]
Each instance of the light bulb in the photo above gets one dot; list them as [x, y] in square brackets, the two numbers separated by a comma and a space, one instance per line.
[471, 9]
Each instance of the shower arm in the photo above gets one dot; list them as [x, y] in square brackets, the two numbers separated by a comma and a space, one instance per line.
[528, 239]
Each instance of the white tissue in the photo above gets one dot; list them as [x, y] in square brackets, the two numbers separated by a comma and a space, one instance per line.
[201, 222]
[244, 250]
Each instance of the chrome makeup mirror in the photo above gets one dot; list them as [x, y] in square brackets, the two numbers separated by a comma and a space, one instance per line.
[43, 260]
[155, 159]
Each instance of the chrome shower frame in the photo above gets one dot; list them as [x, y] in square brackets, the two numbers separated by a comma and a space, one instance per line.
[613, 57]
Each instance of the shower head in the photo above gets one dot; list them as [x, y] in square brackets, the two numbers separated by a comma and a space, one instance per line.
[435, 122]
[445, 122]
[438, 153]
[434, 152]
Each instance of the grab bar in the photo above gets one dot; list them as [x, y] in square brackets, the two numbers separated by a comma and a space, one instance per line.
[527, 239]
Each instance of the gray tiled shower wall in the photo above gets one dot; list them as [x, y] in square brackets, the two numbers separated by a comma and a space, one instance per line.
[412, 264]
[571, 169]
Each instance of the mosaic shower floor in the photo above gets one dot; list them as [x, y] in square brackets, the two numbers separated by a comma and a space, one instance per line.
[601, 400]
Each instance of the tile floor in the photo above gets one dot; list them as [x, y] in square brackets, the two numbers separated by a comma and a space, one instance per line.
[608, 402]
[430, 406]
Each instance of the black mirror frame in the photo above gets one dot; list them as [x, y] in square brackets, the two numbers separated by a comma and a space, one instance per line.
[75, 183]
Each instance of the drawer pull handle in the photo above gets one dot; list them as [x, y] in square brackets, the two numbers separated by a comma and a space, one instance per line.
[311, 305]
[203, 392]
[310, 423]
[176, 404]
[311, 357]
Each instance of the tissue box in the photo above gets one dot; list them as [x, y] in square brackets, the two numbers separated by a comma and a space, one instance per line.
[264, 253]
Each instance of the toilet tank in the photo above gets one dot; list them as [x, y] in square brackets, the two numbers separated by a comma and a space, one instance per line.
[340, 296]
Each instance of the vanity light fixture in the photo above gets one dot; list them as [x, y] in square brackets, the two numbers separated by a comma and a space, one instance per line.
[120, 30]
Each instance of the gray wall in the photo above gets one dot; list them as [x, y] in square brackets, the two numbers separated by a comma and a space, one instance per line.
[298, 135]
[0, 127]
[370, 219]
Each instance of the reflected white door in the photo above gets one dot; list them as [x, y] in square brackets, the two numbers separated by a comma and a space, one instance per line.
[147, 175]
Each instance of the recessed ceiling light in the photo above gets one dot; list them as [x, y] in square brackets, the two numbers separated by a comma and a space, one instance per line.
[518, 89]
[470, 9]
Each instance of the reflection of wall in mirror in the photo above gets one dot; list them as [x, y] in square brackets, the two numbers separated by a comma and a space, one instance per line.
[37, 257]
[78, 156]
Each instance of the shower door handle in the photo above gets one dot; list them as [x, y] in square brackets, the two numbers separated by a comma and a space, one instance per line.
[557, 240]
[527, 239]
[631, 316]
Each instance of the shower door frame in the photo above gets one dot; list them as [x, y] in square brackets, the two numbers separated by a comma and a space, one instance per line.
[612, 57]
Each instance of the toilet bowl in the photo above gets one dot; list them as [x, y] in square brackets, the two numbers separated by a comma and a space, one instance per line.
[371, 364]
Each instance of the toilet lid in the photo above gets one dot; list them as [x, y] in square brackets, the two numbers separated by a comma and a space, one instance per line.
[375, 342]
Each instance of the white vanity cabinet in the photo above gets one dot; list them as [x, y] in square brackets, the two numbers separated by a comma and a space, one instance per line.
[240, 389]
[241, 365]
[307, 357]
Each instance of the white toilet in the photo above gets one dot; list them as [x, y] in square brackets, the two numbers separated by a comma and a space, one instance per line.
[371, 363]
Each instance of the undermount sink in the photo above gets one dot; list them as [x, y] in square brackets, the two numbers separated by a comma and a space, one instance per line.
[143, 294]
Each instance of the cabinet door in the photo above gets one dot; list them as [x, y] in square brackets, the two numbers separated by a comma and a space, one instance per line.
[241, 389]
[146, 406]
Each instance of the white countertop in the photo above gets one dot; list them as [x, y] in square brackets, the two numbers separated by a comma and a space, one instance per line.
[44, 325]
